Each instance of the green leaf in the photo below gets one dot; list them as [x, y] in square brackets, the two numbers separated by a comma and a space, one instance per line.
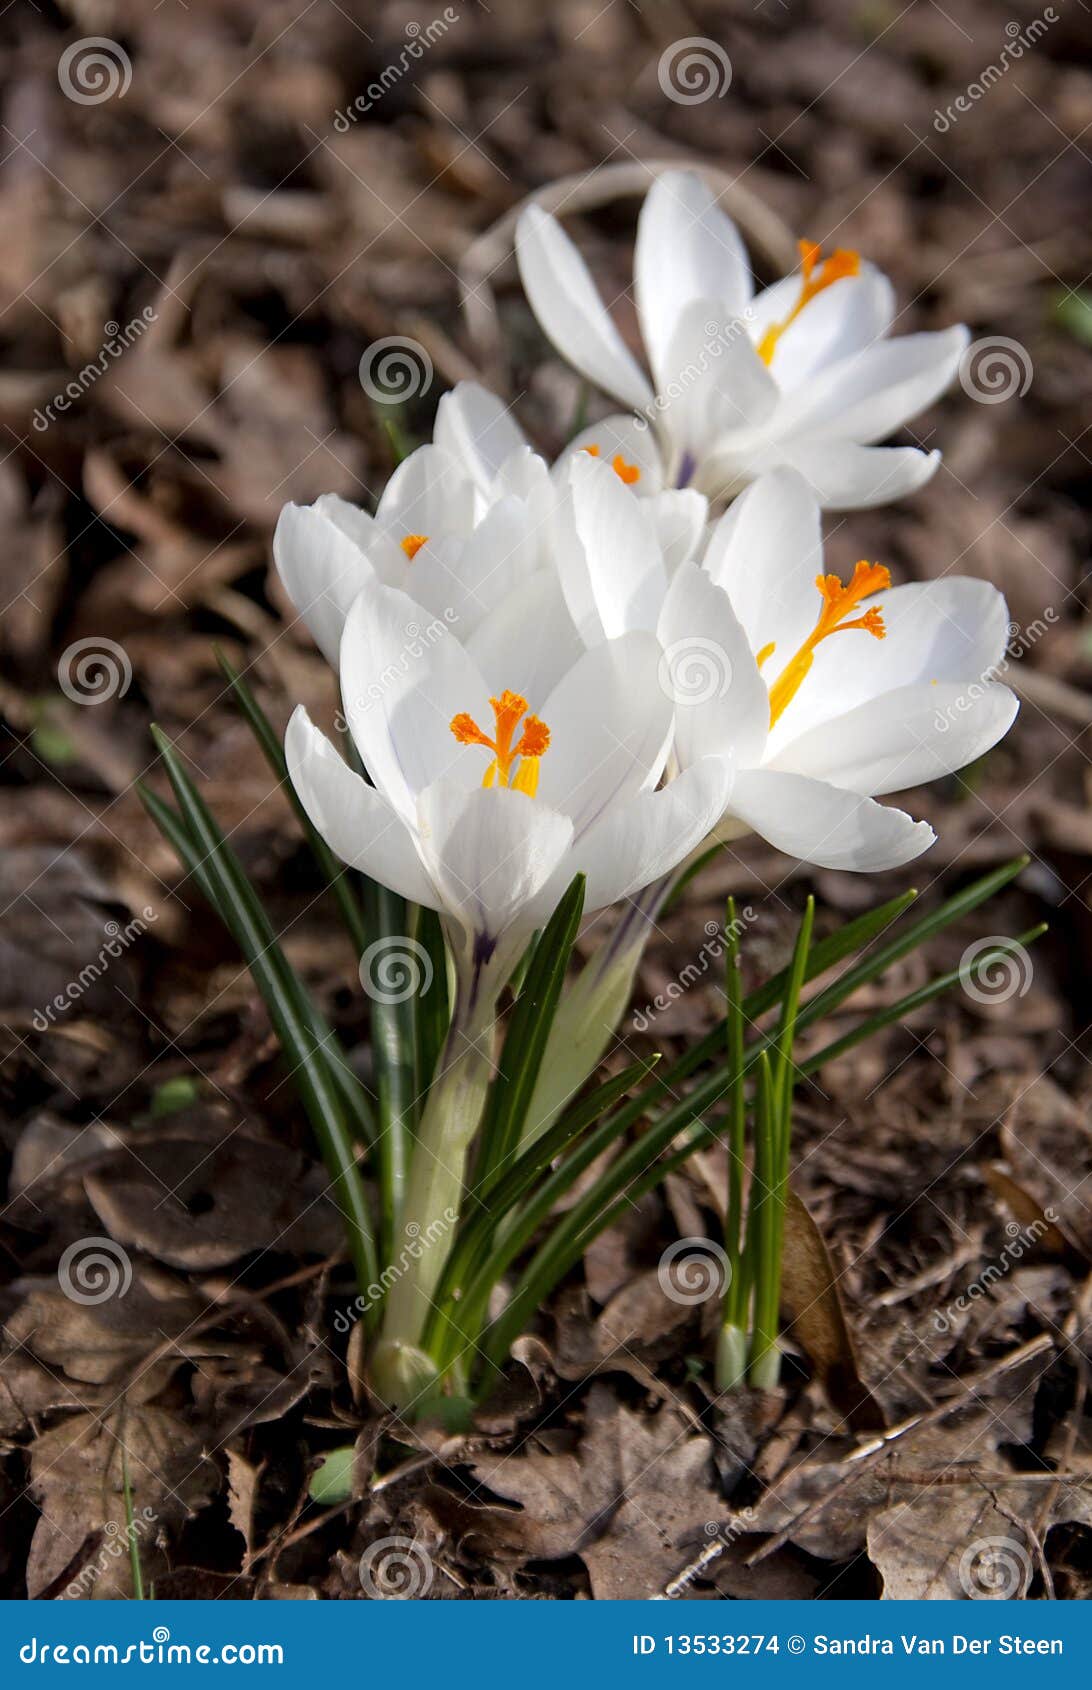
[292, 1015]
[332, 1481]
[335, 872]
[172, 1095]
[473, 1268]
[525, 1039]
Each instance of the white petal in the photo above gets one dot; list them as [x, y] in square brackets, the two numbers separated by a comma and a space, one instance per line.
[680, 515]
[477, 429]
[404, 675]
[490, 852]
[528, 641]
[630, 438]
[639, 842]
[766, 552]
[429, 493]
[822, 824]
[322, 570]
[610, 727]
[846, 477]
[687, 249]
[951, 630]
[866, 397]
[715, 383]
[909, 736]
[624, 565]
[844, 319]
[356, 822]
[469, 577]
[721, 701]
[563, 297]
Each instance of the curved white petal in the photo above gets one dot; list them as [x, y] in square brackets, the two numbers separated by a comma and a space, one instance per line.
[721, 702]
[867, 396]
[639, 842]
[322, 568]
[429, 493]
[624, 565]
[687, 249]
[951, 630]
[822, 824]
[680, 515]
[610, 726]
[766, 552]
[715, 382]
[845, 477]
[356, 822]
[478, 430]
[528, 641]
[490, 852]
[620, 435]
[909, 736]
[404, 675]
[846, 318]
[563, 297]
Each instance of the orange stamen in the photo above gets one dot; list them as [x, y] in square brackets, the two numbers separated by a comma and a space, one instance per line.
[838, 601]
[534, 740]
[629, 473]
[818, 276]
[411, 544]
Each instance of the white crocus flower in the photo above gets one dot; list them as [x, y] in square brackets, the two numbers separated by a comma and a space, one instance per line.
[485, 803]
[827, 694]
[474, 565]
[803, 373]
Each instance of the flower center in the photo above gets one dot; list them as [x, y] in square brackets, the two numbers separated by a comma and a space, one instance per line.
[629, 473]
[818, 275]
[533, 741]
[838, 601]
[411, 544]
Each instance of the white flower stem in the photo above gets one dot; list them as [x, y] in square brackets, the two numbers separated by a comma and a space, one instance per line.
[399, 1370]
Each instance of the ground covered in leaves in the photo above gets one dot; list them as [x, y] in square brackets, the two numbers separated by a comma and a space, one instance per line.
[945, 1167]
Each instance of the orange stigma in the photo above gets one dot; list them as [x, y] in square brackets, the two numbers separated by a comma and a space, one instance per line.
[818, 275]
[629, 473]
[838, 601]
[533, 741]
[411, 544]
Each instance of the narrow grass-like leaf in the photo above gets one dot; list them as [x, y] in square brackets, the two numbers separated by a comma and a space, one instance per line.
[390, 997]
[189, 854]
[473, 1267]
[309, 1060]
[272, 750]
[527, 1033]
[642, 1165]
